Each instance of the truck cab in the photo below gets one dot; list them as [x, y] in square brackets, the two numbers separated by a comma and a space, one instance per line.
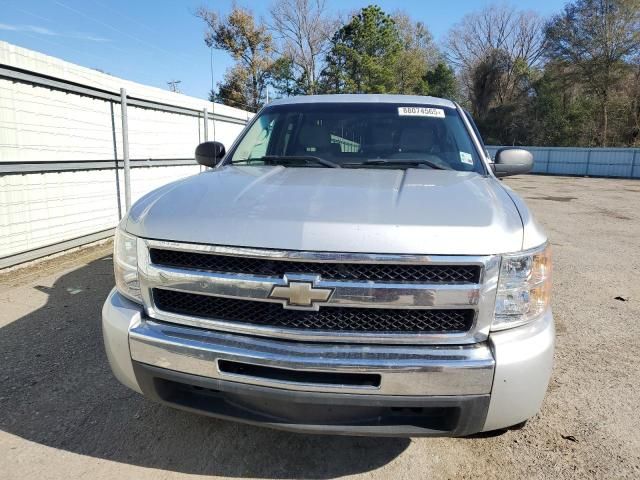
[352, 264]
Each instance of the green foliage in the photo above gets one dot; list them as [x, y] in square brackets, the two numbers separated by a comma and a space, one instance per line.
[409, 74]
[418, 53]
[250, 45]
[597, 38]
[486, 79]
[284, 79]
[441, 81]
[580, 93]
[234, 90]
[561, 115]
[364, 54]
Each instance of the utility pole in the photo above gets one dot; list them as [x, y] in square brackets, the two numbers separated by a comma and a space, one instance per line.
[173, 85]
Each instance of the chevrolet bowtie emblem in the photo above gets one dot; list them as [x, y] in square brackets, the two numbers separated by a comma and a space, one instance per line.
[300, 294]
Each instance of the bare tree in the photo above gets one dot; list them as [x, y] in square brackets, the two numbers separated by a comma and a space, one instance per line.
[497, 31]
[518, 34]
[304, 31]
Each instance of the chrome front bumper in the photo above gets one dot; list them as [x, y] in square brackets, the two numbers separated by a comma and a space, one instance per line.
[458, 379]
[403, 370]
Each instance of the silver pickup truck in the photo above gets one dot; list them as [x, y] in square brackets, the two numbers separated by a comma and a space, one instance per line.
[351, 265]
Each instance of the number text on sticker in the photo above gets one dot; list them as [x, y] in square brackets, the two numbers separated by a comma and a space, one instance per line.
[421, 112]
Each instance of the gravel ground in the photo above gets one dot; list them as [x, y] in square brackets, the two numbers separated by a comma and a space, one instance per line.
[62, 414]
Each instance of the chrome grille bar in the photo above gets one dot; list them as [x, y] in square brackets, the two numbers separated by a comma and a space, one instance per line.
[346, 294]
[349, 294]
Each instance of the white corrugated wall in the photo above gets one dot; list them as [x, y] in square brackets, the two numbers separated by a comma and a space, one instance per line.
[39, 124]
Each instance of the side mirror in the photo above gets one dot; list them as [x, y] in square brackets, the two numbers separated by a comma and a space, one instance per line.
[209, 153]
[512, 161]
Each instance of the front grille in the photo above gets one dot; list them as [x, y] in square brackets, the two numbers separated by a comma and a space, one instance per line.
[328, 271]
[327, 318]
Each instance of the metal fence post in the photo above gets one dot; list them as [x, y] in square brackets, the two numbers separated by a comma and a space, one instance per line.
[546, 170]
[633, 162]
[586, 173]
[125, 149]
[205, 113]
[213, 117]
[115, 158]
[206, 124]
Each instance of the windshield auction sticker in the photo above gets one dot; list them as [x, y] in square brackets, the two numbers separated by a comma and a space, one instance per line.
[466, 158]
[421, 112]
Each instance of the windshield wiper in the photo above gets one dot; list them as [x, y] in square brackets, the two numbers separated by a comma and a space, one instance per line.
[280, 159]
[403, 161]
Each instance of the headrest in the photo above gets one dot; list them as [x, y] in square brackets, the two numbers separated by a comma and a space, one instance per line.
[415, 140]
[314, 136]
[381, 138]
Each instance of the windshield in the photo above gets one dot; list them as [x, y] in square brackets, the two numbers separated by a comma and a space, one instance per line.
[358, 135]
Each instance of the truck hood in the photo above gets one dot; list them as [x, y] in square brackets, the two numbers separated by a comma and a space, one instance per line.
[414, 211]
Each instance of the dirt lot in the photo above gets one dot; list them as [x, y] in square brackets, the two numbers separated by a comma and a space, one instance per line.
[62, 414]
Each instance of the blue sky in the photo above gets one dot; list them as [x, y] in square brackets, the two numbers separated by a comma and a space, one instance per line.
[153, 42]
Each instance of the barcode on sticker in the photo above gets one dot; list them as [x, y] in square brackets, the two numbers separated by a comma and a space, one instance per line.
[421, 112]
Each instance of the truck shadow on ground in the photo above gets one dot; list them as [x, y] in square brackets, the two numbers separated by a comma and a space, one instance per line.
[57, 390]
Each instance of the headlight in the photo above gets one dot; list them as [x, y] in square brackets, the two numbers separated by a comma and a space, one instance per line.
[524, 288]
[125, 261]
